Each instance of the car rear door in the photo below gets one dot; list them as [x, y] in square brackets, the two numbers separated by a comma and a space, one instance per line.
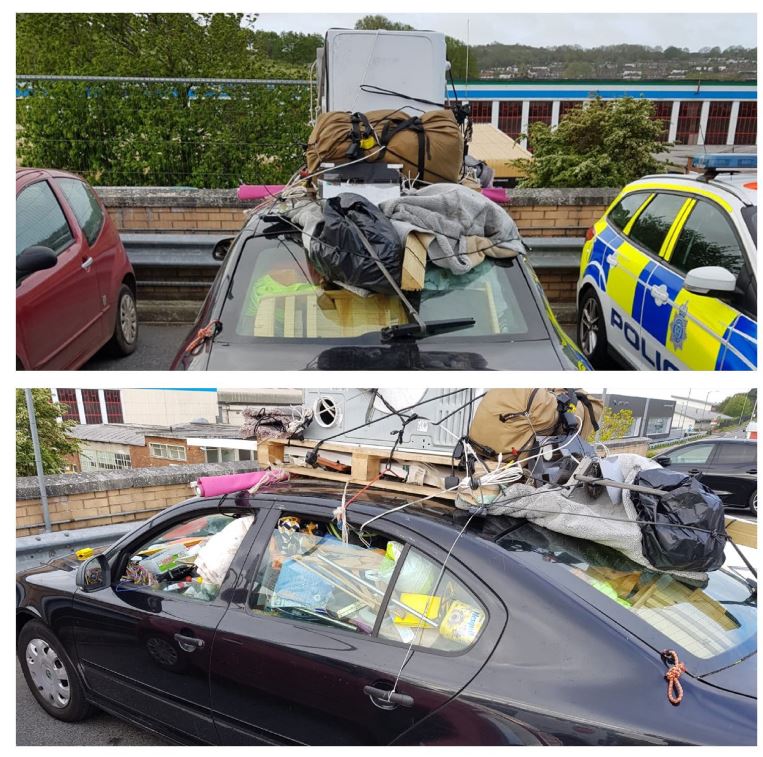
[145, 650]
[58, 309]
[99, 237]
[616, 267]
[652, 233]
[733, 473]
[289, 680]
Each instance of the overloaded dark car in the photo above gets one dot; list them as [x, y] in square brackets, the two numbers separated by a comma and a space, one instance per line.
[266, 310]
[250, 620]
[728, 466]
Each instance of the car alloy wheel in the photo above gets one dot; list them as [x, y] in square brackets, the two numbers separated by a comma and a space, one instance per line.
[753, 505]
[128, 317]
[48, 672]
[590, 326]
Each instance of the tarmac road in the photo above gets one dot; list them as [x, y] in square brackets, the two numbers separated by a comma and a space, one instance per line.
[34, 727]
[157, 345]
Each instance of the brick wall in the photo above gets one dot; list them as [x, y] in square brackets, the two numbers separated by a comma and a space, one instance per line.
[156, 210]
[99, 498]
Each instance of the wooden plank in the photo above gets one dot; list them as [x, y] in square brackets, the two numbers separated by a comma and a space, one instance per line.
[365, 467]
[414, 263]
[382, 452]
[743, 532]
[271, 452]
[393, 486]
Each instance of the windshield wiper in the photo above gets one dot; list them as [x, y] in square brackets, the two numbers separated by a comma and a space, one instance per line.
[424, 329]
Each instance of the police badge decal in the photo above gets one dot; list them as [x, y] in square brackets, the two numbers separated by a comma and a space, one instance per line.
[678, 327]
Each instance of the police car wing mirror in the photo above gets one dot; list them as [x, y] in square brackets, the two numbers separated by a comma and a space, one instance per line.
[710, 278]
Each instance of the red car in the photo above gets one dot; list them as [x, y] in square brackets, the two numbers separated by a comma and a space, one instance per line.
[75, 287]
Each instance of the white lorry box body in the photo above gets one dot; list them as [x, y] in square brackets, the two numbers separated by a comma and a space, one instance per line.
[412, 63]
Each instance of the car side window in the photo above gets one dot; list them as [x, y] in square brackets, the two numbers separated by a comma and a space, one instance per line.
[736, 454]
[310, 574]
[651, 227]
[40, 220]
[190, 559]
[706, 239]
[84, 205]
[622, 213]
[697, 454]
[431, 607]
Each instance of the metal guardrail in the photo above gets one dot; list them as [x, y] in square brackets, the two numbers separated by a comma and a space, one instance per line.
[195, 250]
[32, 551]
[677, 440]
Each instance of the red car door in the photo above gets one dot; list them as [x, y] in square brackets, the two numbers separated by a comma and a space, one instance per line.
[58, 309]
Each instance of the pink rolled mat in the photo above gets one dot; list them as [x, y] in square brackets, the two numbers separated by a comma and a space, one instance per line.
[258, 191]
[212, 486]
[496, 194]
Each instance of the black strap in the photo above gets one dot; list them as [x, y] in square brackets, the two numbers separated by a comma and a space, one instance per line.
[415, 124]
[356, 135]
[589, 407]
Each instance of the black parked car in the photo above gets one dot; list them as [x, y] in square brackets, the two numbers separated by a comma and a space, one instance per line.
[727, 466]
[523, 637]
[265, 311]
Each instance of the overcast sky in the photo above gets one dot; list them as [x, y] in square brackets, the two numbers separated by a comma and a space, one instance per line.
[542, 29]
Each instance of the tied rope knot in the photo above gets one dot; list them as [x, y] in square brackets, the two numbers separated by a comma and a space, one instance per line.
[672, 676]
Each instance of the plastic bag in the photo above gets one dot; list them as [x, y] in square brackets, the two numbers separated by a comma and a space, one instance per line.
[684, 530]
[339, 254]
[216, 555]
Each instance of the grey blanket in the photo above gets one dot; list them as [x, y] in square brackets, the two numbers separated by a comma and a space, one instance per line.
[453, 212]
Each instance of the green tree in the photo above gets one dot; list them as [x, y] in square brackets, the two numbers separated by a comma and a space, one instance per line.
[606, 144]
[158, 133]
[613, 425]
[738, 405]
[54, 441]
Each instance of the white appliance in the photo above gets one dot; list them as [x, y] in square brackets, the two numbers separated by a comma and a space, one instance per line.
[411, 63]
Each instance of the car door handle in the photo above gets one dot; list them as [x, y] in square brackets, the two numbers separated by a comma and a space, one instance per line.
[188, 643]
[385, 697]
[87, 263]
[753, 471]
[694, 471]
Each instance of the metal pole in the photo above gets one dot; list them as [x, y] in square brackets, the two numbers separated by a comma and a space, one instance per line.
[38, 458]
[604, 409]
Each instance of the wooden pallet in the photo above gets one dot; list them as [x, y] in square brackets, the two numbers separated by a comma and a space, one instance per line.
[743, 532]
[365, 464]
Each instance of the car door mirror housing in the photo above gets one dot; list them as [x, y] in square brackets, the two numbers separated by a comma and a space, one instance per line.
[221, 248]
[36, 258]
[94, 574]
[663, 461]
[708, 279]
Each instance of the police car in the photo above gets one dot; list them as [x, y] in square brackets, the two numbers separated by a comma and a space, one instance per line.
[668, 275]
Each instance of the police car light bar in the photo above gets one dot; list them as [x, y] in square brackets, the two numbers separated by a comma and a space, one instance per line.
[725, 161]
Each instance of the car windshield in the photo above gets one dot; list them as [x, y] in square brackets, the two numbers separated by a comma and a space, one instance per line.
[708, 619]
[277, 294]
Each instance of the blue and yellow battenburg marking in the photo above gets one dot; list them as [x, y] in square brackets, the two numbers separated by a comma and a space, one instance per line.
[702, 333]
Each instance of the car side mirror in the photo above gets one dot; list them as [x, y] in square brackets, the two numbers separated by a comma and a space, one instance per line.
[94, 574]
[710, 278]
[663, 461]
[221, 248]
[36, 258]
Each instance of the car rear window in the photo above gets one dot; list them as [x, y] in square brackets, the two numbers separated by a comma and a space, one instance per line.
[85, 207]
[707, 619]
[277, 294]
[622, 213]
[736, 454]
[654, 222]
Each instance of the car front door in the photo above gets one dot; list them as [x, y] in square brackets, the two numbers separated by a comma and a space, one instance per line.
[311, 655]
[58, 309]
[703, 331]
[144, 643]
[691, 459]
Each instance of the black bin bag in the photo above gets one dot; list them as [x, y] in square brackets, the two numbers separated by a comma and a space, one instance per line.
[338, 252]
[668, 536]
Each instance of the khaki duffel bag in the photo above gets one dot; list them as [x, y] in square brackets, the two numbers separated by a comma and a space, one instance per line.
[508, 420]
[430, 146]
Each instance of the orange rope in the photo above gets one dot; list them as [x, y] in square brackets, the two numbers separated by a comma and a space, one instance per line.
[208, 332]
[675, 690]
